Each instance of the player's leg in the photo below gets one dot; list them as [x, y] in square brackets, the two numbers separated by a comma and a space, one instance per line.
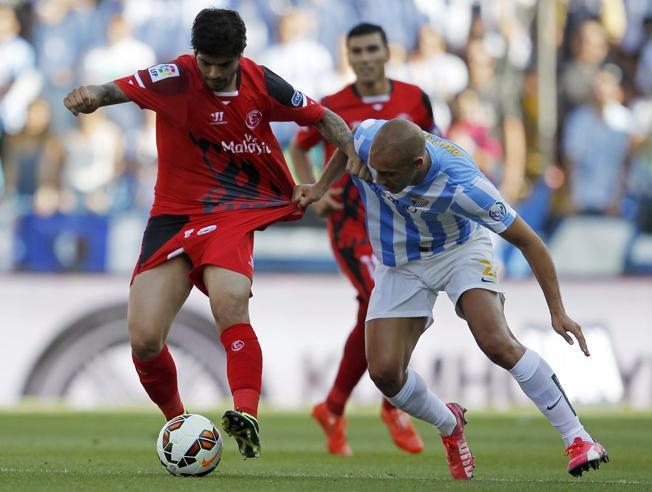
[483, 310]
[155, 297]
[229, 298]
[390, 343]
[389, 346]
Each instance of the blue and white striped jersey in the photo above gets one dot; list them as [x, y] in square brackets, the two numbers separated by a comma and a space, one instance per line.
[442, 211]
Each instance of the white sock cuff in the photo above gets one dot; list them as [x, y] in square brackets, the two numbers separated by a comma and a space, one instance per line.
[526, 366]
[402, 396]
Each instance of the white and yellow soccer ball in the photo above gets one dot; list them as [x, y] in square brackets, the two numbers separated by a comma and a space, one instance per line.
[189, 445]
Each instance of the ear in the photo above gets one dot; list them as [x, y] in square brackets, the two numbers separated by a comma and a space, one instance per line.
[419, 162]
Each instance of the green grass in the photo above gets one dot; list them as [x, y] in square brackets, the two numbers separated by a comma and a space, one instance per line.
[66, 451]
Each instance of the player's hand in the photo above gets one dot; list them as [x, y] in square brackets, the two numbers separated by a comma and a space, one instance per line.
[329, 203]
[563, 325]
[356, 167]
[305, 194]
[84, 99]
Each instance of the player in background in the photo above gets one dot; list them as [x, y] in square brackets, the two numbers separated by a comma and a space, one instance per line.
[221, 176]
[372, 95]
[425, 205]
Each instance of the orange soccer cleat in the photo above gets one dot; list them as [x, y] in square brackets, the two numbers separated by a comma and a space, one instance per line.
[460, 460]
[333, 427]
[403, 433]
[585, 455]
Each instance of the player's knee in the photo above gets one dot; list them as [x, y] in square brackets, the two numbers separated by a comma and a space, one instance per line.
[386, 375]
[230, 307]
[145, 348]
[501, 350]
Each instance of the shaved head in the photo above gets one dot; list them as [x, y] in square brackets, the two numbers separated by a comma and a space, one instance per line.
[398, 154]
[398, 139]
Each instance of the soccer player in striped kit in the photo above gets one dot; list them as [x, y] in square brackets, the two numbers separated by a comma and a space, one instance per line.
[425, 203]
[372, 94]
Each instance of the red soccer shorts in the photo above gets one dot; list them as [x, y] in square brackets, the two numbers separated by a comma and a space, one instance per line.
[223, 239]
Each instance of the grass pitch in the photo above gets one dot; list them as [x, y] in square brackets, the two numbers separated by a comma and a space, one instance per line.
[69, 451]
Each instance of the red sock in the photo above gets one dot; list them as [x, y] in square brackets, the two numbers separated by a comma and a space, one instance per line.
[159, 378]
[244, 366]
[352, 366]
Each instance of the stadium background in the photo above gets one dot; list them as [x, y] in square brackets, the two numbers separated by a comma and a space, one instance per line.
[553, 99]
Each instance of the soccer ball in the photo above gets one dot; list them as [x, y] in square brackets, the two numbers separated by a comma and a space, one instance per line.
[189, 445]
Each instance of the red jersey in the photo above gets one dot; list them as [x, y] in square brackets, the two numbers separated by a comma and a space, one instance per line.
[216, 150]
[404, 101]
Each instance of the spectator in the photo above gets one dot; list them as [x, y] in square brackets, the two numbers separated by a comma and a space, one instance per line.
[31, 155]
[93, 161]
[595, 145]
[19, 82]
[499, 93]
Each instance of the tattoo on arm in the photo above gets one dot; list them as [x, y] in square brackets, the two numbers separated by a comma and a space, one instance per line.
[336, 131]
[110, 94]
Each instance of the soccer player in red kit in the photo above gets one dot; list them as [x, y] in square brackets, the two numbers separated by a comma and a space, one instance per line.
[372, 95]
[221, 176]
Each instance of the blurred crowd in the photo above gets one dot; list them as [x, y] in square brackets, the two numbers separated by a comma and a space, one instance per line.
[480, 61]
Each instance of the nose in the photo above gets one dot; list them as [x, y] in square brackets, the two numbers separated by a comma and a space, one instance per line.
[214, 72]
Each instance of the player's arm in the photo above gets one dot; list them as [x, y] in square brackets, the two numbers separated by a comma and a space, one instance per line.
[536, 253]
[306, 194]
[303, 169]
[87, 98]
[336, 131]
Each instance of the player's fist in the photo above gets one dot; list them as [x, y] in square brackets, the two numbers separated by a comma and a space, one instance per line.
[356, 167]
[84, 99]
[305, 194]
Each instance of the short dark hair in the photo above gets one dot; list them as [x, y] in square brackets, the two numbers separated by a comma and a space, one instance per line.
[219, 32]
[366, 28]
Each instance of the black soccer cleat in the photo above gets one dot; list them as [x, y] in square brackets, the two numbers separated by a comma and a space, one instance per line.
[244, 429]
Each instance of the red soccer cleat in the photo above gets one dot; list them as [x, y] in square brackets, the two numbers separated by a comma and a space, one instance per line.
[460, 460]
[585, 455]
[403, 433]
[333, 426]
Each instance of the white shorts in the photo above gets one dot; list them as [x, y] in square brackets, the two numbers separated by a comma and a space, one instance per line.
[410, 290]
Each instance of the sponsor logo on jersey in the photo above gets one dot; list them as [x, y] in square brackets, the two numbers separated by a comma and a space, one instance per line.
[206, 230]
[254, 117]
[187, 234]
[217, 118]
[163, 71]
[249, 145]
[237, 345]
[498, 211]
[298, 99]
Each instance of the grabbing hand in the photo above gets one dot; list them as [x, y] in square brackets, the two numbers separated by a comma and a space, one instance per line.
[356, 167]
[305, 194]
[84, 99]
[563, 325]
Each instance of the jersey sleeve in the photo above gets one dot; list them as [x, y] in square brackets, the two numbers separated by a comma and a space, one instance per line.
[478, 199]
[289, 104]
[162, 88]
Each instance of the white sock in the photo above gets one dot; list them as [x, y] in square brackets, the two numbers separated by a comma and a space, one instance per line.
[541, 385]
[417, 400]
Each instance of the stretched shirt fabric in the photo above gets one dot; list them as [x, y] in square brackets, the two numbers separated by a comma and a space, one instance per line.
[435, 215]
[216, 150]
